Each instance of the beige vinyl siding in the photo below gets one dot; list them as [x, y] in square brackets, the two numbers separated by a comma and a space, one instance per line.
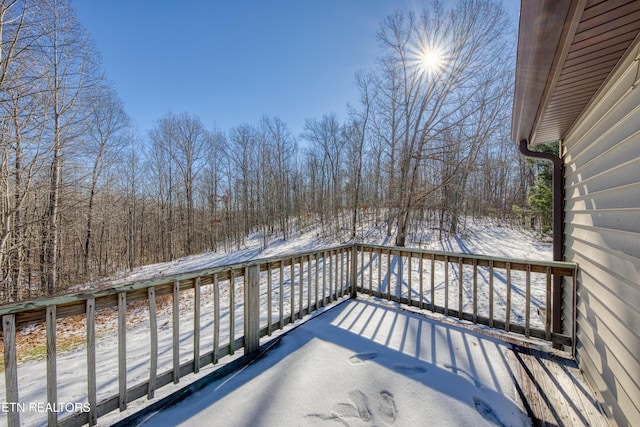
[602, 234]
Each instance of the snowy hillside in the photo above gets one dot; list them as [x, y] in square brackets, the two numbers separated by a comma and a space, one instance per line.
[482, 237]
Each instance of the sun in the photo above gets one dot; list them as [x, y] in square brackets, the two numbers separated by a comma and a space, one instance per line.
[429, 55]
[431, 60]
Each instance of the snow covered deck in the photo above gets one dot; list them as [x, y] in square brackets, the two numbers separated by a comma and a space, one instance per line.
[132, 340]
[365, 363]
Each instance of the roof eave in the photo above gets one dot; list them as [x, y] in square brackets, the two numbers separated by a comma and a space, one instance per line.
[543, 24]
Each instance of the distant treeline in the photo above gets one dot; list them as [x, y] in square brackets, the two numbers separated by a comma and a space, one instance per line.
[83, 195]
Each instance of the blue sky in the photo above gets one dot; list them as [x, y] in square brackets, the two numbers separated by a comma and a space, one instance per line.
[230, 62]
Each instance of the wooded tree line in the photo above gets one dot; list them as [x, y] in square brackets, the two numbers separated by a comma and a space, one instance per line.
[84, 196]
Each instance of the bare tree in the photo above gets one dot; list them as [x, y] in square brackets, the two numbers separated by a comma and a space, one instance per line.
[162, 168]
[103, 145]
[213, 194]
[189, 139]
[431, 69]
[356, 137]
[242, 155]
[278, 160]
[130, 170]
[71, 72]
[328, 140]
[21, 128]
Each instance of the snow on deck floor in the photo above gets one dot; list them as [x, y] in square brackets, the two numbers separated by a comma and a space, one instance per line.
[362, 364]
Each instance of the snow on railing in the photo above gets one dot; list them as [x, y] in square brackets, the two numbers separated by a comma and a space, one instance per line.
[212, 313]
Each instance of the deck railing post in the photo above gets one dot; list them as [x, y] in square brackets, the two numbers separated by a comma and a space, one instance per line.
[91, 362]
[153, 337]
[574, 293]
[354, 272]
[175, 332]
[10, 366]
[251, 309]
[52, 376]
[122, 351]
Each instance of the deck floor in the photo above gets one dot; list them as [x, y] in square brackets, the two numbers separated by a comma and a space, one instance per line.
[554, 390]
[362, 363]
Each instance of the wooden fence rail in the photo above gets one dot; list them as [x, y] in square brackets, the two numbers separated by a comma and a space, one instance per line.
[217, 311]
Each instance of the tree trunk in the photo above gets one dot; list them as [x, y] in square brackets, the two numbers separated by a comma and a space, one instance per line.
[54, 197]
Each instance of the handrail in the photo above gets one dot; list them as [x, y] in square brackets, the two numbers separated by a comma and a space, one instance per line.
[469, 256]
[249, 300]
[560, 268]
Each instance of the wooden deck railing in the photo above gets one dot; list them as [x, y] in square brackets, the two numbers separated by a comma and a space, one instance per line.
[217, 311]
[467, 286]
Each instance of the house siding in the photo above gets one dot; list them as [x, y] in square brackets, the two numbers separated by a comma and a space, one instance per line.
[602, 234]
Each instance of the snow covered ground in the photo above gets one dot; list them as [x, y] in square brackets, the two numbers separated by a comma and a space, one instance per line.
[480, 237]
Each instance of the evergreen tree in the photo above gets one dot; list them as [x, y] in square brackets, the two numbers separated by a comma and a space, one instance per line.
[540, 200]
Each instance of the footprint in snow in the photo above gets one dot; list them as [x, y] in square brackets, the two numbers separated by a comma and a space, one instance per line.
[361, 403]
[486, 411]
[360, 358]
[358, 408]
[388, 410]
[409, 369]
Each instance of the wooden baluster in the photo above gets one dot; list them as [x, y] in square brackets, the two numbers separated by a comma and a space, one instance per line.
[216, 318]
[527, 317]
[399, 276]
[301, 293]
[370, 271]
[362, 269]
[153, 334]
[330, 276]
[446, 285]
[547, 319]
[281, 296]
[269, 299]
[309, 284]
[379, 273]
[460, 287]
[52, 386]
[196, 326]
[176, 332]
[324, 278]
[389, 275]
[317, 282]
[122, 350]
[475, 290]
[507, 322]
[339, 281]
[232, 312]
[409, 278]
[251, 309]
[292, 290]
[491, 293]
[91, 361]
[433, 283]
[10, 366]
[421, 267]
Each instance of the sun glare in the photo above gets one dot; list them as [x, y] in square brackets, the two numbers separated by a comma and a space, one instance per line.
[431, 61]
